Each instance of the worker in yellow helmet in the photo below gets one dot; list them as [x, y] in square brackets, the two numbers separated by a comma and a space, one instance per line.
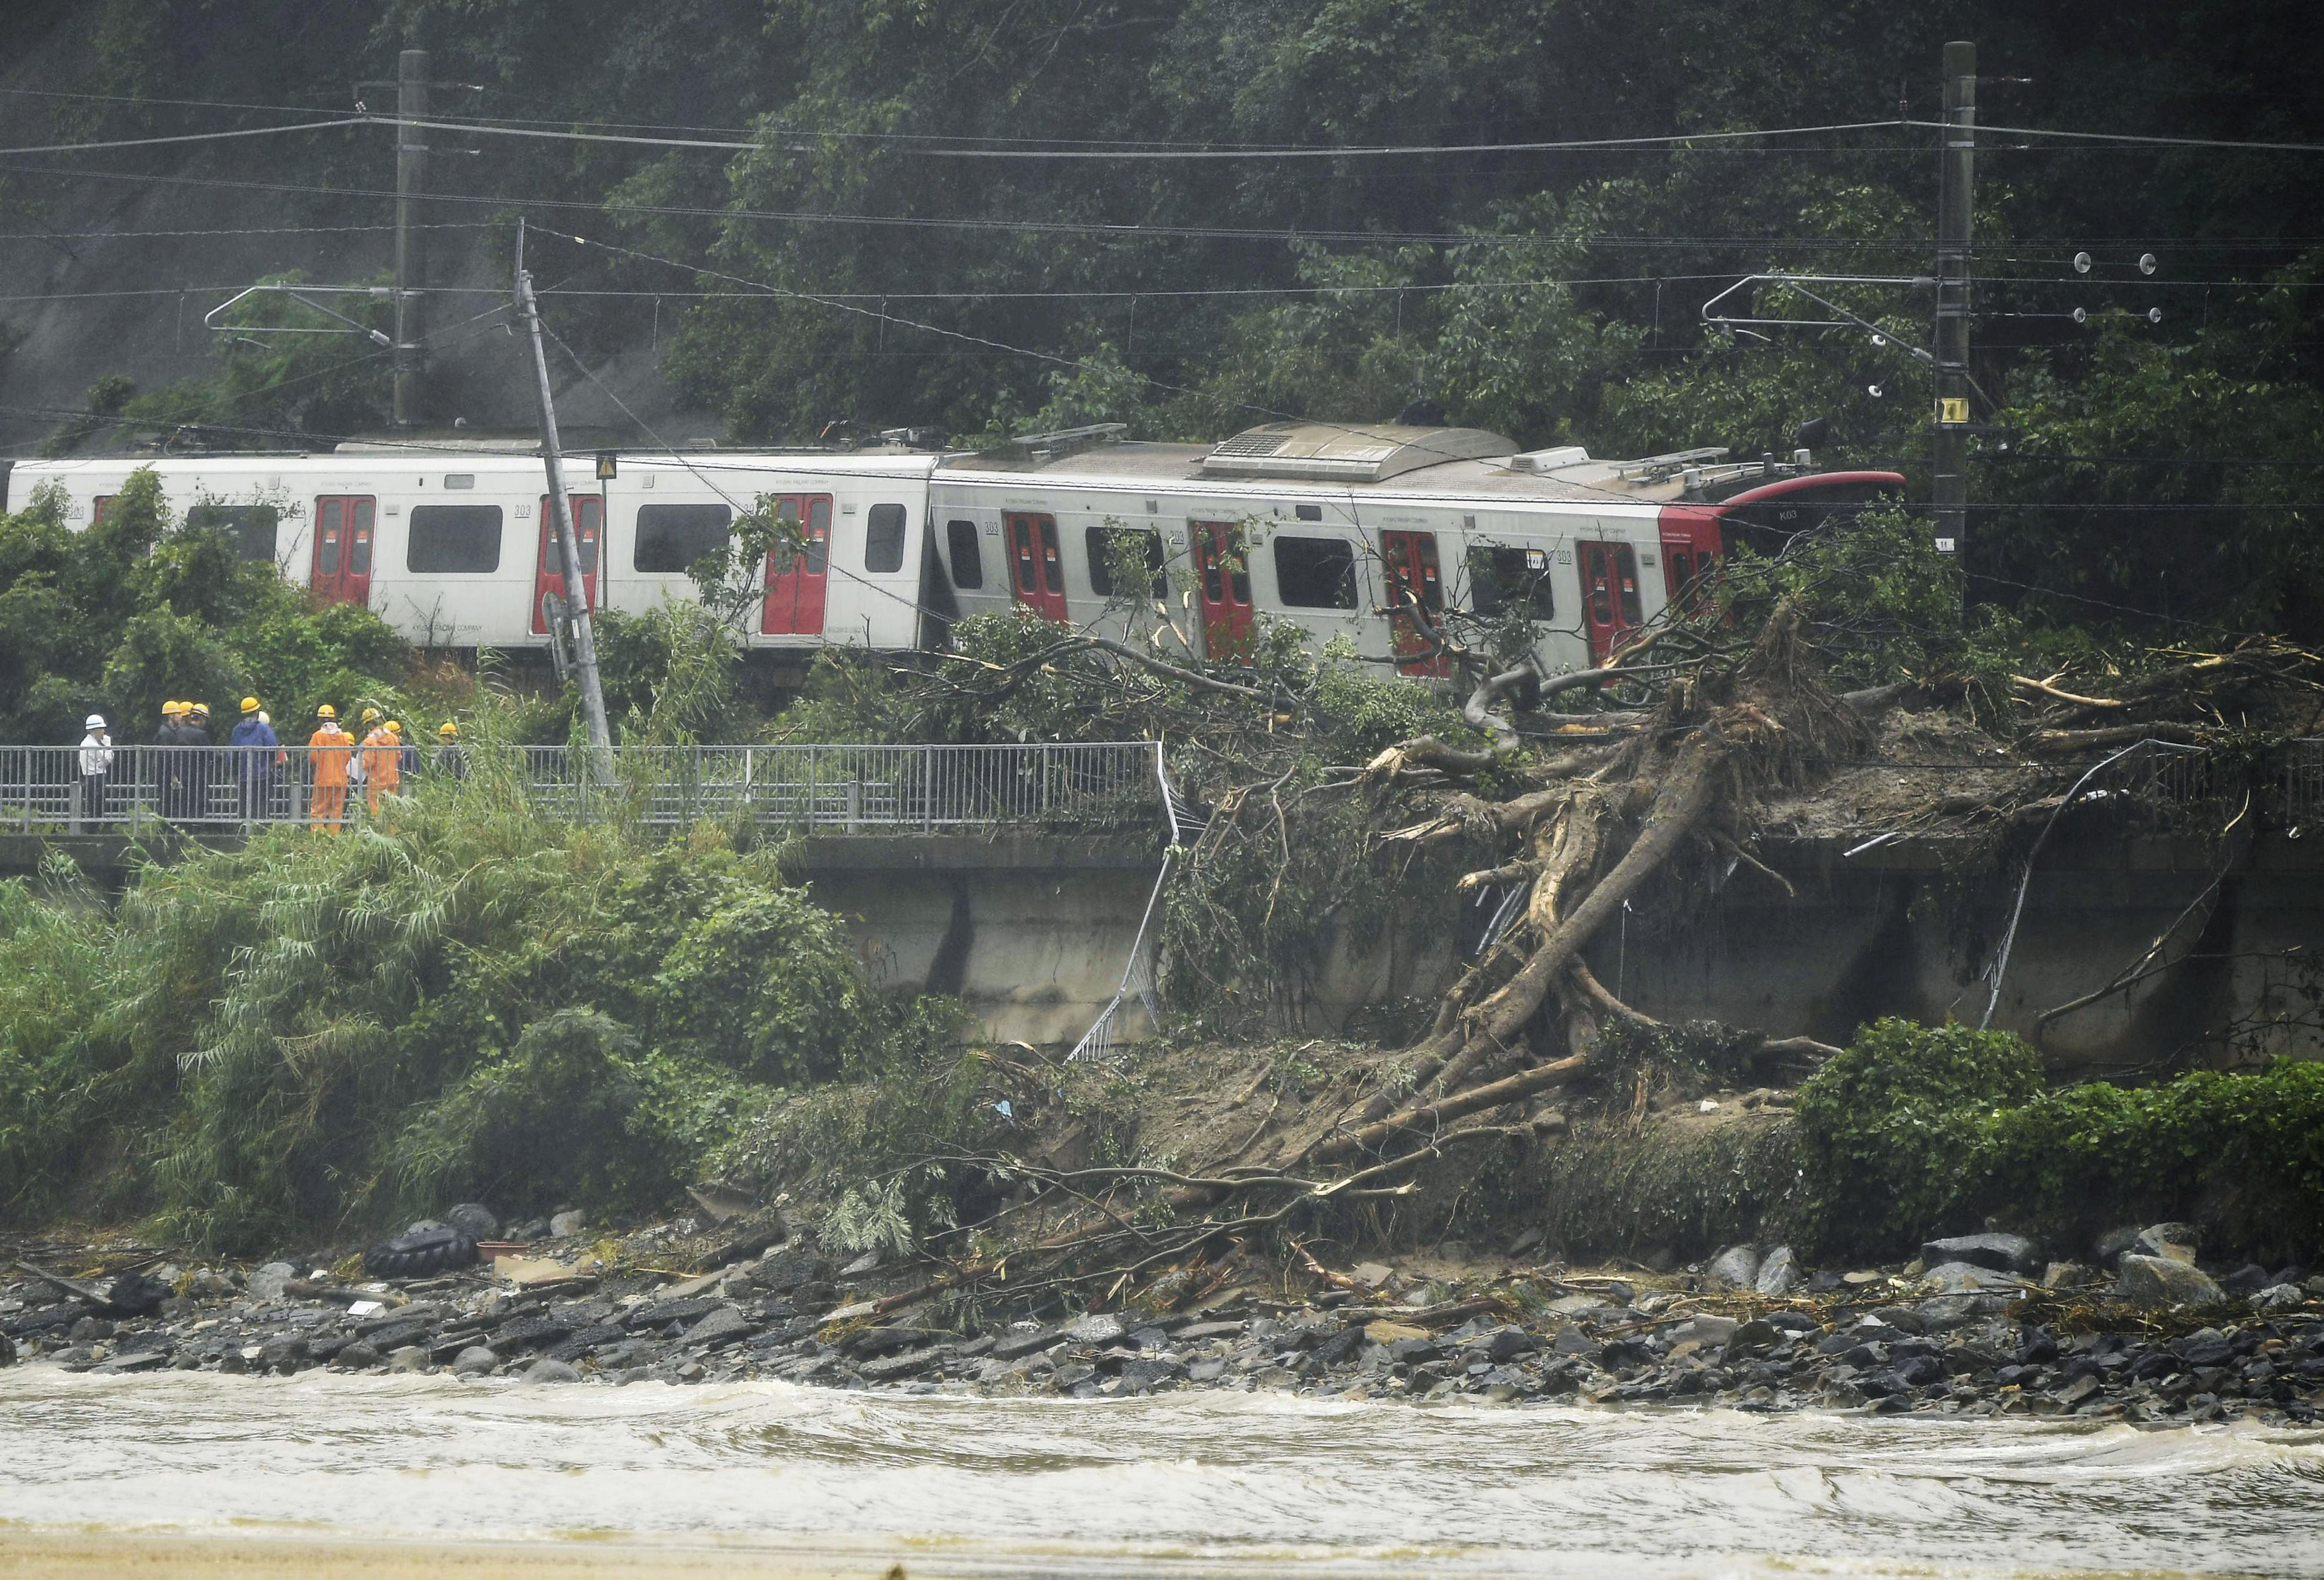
[194, 731]
[170, 765]
[451, 757]
[256, 756]
[330, 751]
[381, 764]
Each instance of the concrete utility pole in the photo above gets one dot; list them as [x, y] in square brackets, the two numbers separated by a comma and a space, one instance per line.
[1955, 186]
[410, 240]
[552, 458]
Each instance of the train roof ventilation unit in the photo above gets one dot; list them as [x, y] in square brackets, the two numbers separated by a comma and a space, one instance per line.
[1319, 452]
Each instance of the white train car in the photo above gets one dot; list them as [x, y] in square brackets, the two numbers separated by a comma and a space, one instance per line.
[453, 548]
[1370, 534]
[1363, 533]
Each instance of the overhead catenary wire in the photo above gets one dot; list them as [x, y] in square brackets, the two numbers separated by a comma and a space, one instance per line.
[189, 137]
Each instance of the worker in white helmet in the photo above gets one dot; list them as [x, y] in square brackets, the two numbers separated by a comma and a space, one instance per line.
[95, 766]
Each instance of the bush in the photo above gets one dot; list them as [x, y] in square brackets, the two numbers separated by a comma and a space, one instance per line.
[1887, 1125]
[317, 1032]
[1915, 1131]
[2243, 1153]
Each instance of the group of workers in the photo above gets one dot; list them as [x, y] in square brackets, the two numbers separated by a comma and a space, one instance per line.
[256, 759]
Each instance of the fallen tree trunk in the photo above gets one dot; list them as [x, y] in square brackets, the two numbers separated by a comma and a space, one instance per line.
[1435, 1114]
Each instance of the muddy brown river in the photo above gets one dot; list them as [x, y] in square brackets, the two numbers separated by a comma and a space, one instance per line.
[807, 1481]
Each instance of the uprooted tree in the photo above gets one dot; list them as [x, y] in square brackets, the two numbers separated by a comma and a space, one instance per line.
[1660, 779]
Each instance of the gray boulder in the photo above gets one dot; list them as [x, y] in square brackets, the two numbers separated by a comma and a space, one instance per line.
[1095, 1329]
[1779, 1274]
[888, 1368]
[1737, 1267]
[545, 1371]
[1148, 1372]
[719, 1326]
[267, 1284]
[2176, 1241]
[565, 1225]
[1710, 1332]
[2279, 1297]
[2001, 1253]
[2164, 1280]
[1966, 1278]
[474, 1219]
[1010, 1345]
[475, 1361]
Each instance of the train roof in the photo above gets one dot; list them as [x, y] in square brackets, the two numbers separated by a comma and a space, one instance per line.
[1380, 459]
[1384, 458]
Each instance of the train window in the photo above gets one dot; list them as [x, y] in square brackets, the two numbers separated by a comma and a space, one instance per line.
[100, 508]
[1498, 578]
[883, 539]
[1100, 542]
[967, 555]
[452, 540]
[252, 526]
[1315, 572]
[671, 538]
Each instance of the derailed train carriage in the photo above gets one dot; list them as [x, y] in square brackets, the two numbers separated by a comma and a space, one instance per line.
[1369, 533]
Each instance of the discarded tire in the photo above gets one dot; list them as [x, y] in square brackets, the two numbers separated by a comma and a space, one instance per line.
[419, 1254]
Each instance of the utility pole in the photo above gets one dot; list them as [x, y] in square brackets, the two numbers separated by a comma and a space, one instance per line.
[552, 458]
[1955, 185]
[411, 239]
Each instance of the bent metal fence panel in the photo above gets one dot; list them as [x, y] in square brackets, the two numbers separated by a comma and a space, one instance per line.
[843, 789]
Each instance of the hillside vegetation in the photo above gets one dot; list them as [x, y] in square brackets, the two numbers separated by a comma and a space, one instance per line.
[2128, 466]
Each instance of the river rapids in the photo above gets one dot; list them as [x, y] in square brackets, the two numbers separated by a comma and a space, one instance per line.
[1186, 1485]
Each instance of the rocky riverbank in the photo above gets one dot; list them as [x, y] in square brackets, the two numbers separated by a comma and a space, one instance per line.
[2143, 1332]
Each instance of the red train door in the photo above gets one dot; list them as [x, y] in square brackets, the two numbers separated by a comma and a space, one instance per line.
[1415, 581]
[343, 537]
[1222, 585]
[1690, 547]
[548, 580]
[1609, 595]
[1039, 574]
[796, 583]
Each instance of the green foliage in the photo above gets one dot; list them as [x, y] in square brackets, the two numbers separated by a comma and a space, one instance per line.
[1604, 1193]
[716, 998]
[1883, 605]
[2244, 1152]
[314, 374]
[139, 607]
[107, 394]
[1886, 1124]
[876, 1143]
[1915, 1131]
[318, 1032]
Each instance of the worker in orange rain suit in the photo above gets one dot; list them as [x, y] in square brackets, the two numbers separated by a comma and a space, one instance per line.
[382, 761]
[329, 750]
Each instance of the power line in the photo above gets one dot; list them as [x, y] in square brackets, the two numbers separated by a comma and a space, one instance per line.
[190, 137]
[248, 230]
[1568, 145]
[1576, 144]
[1010, 226]
[2134, 139]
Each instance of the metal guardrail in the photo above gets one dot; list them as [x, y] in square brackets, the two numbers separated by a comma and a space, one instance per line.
[868, 789]
[2303, 782]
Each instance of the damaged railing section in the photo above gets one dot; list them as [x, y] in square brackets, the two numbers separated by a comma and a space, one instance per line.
[845, 789]
[2303, 790]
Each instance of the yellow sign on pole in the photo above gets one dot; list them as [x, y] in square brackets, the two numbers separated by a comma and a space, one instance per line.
[1952, 409]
